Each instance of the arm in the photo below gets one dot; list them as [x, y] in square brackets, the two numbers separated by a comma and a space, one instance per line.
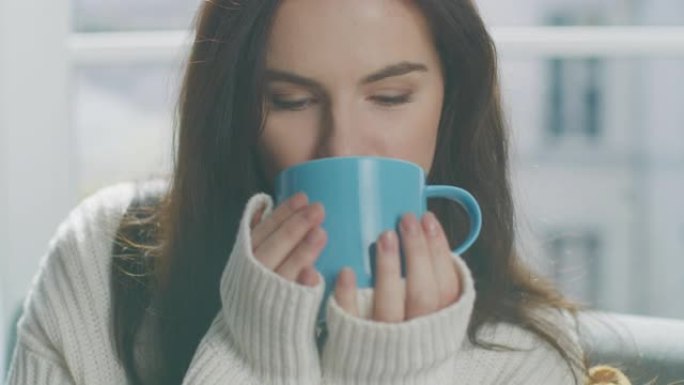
[265, 331]
[262, 335]
[418, 351]
[62, 336]
[542, 365]
[29, 367]
[530, 360]
[539, 363]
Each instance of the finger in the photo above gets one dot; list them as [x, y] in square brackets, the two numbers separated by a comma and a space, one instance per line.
[388, 294]
[304, 254]
[422, 294]
[308, 277]
[345, 291]
[284, 211]
[257, 217]
[277, 246]
[447, 276]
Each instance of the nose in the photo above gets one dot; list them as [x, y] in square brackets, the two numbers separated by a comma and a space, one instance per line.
[340, 133]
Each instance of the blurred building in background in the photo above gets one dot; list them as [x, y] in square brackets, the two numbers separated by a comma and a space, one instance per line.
[599, 159]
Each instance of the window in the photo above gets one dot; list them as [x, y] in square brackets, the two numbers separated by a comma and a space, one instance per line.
[128, 15]
[582, 12]
[123, 121]
[576, 257]
[615, 197]
[575, 96]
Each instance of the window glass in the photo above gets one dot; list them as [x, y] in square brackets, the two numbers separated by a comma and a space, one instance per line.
[129, 15]
[126, 15]
[598, 174]
[124, 122]
[581, 12]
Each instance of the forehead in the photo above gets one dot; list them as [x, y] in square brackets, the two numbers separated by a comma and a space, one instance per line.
[317, 37]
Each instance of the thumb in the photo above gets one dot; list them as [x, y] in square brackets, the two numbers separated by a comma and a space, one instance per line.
[256, 219]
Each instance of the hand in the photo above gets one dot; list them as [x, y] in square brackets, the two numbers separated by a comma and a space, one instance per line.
[432, 280]
[291, 239]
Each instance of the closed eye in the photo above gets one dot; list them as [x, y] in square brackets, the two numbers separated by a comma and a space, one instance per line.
[291, 105]
[389, 101]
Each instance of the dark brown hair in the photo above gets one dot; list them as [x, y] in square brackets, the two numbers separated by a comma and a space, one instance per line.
[177, 248]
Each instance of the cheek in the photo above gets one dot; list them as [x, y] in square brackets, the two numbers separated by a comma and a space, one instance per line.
[428, 122]
[287, 139]
[413, 133]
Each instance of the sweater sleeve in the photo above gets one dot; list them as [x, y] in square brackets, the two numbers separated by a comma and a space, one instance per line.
[537, 362]
[29, 367]
[266, 326]
[263, 334]
[540, 366]
[62, 335]
[530, 360]
[420, 351]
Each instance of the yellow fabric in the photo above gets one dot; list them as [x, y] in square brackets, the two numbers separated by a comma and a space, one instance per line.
[607, 375]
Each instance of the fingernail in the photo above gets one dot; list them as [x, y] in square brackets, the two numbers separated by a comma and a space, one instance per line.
[308, 277]
[298, 201]
[313, 211]
[314, 236]
[430, 224]
[410, 224]
[388, 241]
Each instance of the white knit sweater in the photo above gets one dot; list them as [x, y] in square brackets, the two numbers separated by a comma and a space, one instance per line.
[265, 331]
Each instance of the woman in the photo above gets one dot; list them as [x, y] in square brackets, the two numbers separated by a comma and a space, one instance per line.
[210, 284]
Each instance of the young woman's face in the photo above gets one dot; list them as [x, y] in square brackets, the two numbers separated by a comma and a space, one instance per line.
[348, 78]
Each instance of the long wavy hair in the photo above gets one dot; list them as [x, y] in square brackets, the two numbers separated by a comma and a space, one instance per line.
[171, 251]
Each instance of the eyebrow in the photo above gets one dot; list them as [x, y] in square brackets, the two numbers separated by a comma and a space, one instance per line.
[394, 70]
[397, 69]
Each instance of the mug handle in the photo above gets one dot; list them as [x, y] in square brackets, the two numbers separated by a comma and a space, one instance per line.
[468, 202]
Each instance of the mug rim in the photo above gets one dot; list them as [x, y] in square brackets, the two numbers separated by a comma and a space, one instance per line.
[356, 157]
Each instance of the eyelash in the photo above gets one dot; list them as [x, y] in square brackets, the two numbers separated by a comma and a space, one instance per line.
[393, 100]
[291, 105]
[298, 105]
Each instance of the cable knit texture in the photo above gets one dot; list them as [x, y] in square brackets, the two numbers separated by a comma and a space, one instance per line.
[265, 330]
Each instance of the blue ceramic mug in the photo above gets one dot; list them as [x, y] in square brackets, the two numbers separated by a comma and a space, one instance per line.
[363, 197]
